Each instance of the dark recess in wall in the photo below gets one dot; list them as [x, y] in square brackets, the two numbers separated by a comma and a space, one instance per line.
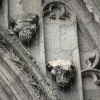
[0, 2]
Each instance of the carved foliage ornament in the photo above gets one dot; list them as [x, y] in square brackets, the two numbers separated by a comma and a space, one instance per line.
[25, 25]
[62, 70]
[93, 70]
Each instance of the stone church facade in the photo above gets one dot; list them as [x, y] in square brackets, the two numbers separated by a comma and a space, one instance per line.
[49, 50]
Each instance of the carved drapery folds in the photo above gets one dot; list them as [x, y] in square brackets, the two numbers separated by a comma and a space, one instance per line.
[25, 25]
[60, 15]
[62, 70]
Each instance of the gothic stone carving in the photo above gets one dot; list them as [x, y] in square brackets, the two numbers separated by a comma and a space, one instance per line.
[93, 66]
[63, 11]
[93, 7]
[10, 53]
[63, 70]
[61, 15]
[31, 67]
[25, 26]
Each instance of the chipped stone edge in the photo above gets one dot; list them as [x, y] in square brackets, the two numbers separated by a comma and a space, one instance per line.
[92, 7]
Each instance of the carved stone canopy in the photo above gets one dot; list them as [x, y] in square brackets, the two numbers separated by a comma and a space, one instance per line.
[65, 12]
[25, 25]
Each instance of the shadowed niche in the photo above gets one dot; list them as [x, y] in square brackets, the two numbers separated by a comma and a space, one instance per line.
[0, 2]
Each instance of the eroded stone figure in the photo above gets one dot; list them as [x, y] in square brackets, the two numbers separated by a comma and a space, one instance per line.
[63, 70]
[25, 26]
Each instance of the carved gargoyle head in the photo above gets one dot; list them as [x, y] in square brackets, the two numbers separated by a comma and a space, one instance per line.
[62, 70]
[25, 25]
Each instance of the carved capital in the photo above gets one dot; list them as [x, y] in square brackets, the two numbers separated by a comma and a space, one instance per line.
[25, 25]
[63, 71]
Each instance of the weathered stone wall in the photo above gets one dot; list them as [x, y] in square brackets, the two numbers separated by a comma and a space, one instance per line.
[64, 48]
[36, 47]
